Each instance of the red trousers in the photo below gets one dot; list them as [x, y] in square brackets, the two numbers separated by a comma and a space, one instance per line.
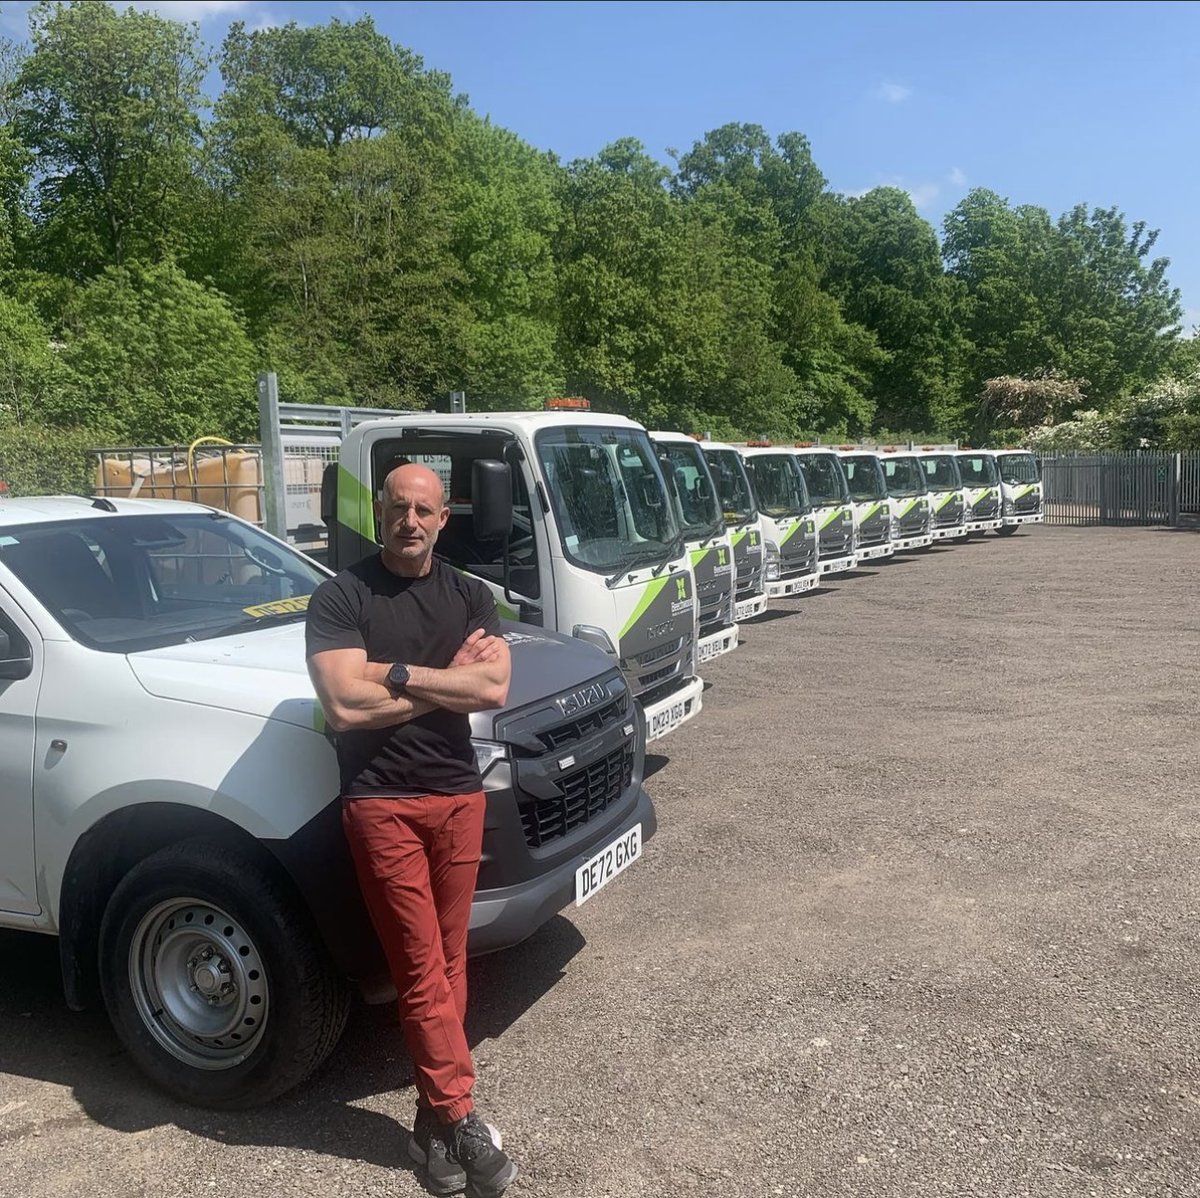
[417, 860]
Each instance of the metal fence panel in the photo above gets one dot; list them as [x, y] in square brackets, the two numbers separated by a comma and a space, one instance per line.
[1145, 487]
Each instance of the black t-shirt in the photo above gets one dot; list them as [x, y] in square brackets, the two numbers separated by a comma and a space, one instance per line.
[416, 621]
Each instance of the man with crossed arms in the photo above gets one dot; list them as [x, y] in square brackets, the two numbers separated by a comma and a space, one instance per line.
[400, 649]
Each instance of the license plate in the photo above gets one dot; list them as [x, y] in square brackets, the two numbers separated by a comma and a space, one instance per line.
[614, 859]
[663, 721]
[709, 650]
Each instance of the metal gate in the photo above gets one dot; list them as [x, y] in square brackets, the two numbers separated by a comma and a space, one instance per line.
[1145, 487]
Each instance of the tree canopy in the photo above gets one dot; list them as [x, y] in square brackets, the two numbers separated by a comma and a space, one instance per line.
[339, 214]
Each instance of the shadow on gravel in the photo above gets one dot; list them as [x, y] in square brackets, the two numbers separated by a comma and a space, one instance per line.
[654, 763]
[41, 1039]
[771, 615]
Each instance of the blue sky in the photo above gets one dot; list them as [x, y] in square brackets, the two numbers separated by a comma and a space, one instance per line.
[1045, 103]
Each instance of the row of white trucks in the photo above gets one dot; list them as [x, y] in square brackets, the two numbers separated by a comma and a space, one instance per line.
[168, 792]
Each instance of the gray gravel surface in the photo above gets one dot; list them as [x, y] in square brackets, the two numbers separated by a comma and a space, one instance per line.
[920, 919]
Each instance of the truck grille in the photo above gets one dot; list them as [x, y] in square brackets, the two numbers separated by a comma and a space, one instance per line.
[799, 555]
[873, 531]
[749, 582]
[1028, 503]
[583, 794]
[914, 523]
[835, 540]
[987, 507]
[950, 514]
[572, 732]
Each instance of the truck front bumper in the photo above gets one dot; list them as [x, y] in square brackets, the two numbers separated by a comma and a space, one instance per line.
[783, 588]
[1033, 518]
[665, 715]
[835, 565]
[725, 640]
[951, 533]
[504, 917]
[747, 609]
[865, 553]
[902, 544]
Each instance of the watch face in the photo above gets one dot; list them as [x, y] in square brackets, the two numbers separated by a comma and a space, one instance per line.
[398, 676]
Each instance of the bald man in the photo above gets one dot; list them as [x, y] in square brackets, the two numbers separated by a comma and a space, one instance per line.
[400, 649]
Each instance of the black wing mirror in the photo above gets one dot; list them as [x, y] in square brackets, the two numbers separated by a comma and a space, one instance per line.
[491, 499]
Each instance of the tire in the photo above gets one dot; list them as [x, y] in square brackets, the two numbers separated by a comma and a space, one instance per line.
[1007, 530]
[214, 980]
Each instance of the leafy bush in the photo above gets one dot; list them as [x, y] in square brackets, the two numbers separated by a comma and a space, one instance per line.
[46, 461]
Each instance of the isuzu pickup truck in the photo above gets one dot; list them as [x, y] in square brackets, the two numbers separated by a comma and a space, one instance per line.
[168, 789]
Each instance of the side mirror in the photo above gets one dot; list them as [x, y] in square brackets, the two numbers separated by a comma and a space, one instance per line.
[12, 667]
[491, 499]
[329, 488]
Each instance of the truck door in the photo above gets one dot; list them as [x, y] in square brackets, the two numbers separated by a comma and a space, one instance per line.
[450, 453]
[20, 678]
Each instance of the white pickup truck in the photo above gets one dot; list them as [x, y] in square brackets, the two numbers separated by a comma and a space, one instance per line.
[168, 791]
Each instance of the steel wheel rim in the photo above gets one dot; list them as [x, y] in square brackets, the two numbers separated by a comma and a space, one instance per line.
[199, 983]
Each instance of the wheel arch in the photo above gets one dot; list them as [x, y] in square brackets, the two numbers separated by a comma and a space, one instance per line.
[106, 852]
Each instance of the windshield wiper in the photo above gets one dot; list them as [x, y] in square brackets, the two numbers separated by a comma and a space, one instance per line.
[673, 549]
[250, 622]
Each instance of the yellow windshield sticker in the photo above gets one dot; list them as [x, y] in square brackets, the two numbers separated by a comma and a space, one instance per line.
[279, 607]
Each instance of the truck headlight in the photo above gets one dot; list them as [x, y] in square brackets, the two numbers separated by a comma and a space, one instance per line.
[771, 560]
[487, 754]
[1009, 507]
[595, 636]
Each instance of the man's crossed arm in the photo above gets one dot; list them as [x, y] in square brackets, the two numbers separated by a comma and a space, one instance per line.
[354, 693]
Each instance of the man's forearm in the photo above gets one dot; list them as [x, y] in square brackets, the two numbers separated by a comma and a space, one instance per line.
[476, 687]
[367, 704]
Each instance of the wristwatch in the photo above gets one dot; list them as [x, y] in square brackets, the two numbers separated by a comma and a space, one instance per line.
[397, 678]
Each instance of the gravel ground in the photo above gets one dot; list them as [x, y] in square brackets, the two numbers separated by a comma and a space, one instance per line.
[920, 919]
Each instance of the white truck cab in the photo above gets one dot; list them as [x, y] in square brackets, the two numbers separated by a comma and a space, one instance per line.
[869, 497]
[789, 529]
[908, 497]
[168, 790]
[946, 501]
[745, 525]
[1020, 488]
[709, 545]
[594, 549]
[833, 513]
[981, 490]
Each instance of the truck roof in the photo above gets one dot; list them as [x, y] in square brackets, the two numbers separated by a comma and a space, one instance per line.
[43, 509]
[529, 422]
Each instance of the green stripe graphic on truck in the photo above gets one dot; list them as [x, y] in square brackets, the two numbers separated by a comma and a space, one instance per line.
[836, 514]
[648, 597]
[355, 508]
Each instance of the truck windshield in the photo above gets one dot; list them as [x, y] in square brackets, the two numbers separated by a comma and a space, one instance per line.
[126, 583]
[691, 487]
[608, 495]
[941, 473]
[978, 470]
[864, 477]
[904, 476]
[733, 485]
[778, 484]
[1017, 469]
[825, 478]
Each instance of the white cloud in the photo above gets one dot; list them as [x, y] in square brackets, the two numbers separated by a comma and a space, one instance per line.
[893, 93]
[186, 10]
[957, 177]
[922, 194]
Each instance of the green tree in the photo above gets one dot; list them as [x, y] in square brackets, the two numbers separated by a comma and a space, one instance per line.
[333, 152]
[1080, 297]
[152, 356]
[108, 102]
[768, 191]
[883, 264]
[29, 366]
[506, 218]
